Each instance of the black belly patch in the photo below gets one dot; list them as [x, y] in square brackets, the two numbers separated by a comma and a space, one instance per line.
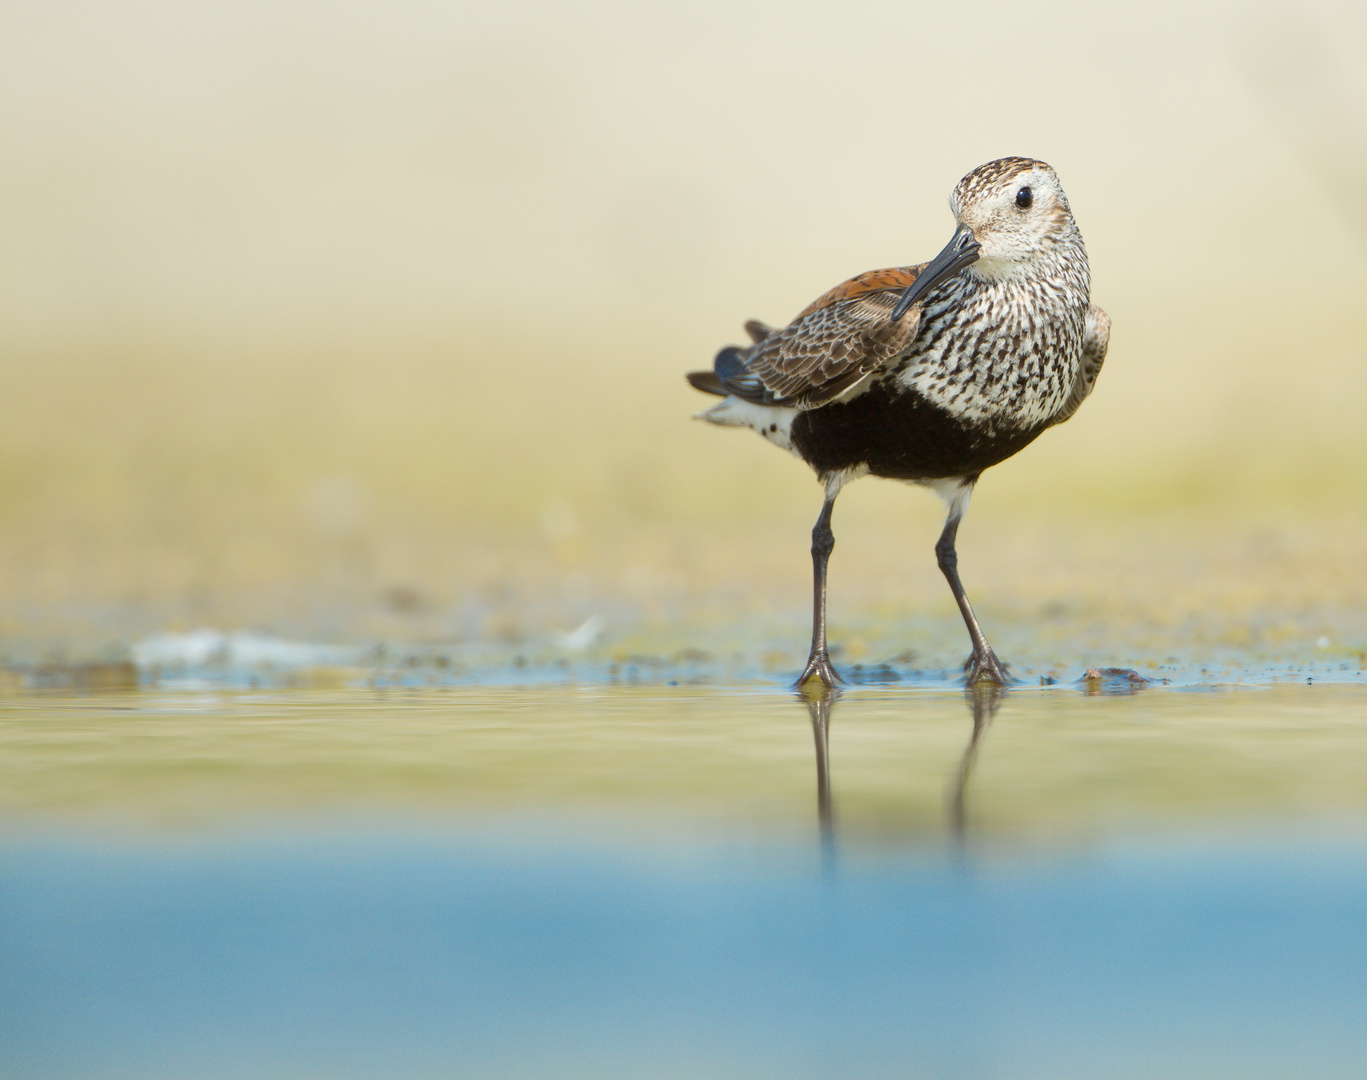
[902, 436]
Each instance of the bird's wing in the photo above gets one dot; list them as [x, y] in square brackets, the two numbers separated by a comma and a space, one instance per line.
[836, 342]
[1096, 337]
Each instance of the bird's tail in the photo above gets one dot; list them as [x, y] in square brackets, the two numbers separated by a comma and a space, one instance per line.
[707, 382]
[730, 363]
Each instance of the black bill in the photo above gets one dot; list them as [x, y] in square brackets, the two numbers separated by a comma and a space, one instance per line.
[961, 250]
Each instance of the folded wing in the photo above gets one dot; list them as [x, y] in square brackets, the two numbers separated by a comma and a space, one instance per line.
[837, 342]
[1096, 337]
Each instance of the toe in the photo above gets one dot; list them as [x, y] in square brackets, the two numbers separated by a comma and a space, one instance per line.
[820, 668]
[986, 668]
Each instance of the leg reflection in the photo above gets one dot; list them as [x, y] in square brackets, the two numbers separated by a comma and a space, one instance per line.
[984, 699]
[818, 697]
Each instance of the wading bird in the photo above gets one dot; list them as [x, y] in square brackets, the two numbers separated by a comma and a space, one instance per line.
[932, 373]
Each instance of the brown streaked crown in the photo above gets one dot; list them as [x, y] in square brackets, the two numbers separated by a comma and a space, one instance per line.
[995, 174]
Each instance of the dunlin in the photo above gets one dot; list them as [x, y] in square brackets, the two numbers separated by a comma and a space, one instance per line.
[932, 373]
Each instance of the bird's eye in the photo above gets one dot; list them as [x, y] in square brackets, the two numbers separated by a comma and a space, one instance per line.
[1024, 197]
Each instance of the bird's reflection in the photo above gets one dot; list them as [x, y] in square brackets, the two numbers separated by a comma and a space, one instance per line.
[818, 697]
[983, 701]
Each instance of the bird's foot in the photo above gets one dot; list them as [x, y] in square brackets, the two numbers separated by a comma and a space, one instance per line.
[984, 667]
[819, 668]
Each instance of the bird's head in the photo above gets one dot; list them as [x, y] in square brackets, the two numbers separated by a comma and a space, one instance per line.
[1009, 213]
[1017, 212]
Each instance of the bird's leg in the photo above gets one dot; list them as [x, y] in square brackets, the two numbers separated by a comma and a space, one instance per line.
[983, 665]
[823, 541]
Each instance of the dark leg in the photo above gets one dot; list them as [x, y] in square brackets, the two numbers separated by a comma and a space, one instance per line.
[983, 665]
[823, 542]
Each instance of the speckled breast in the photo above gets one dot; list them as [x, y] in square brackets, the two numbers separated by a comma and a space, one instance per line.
[999, 356]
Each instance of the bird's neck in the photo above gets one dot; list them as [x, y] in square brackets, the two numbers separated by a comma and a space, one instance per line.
[1061, 259]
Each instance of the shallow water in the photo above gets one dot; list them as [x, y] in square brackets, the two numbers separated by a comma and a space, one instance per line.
[685, 880]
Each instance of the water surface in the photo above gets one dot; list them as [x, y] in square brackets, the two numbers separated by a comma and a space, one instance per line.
[627, 881]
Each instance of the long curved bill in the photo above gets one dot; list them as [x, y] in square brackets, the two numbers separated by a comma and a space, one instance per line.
[961, 250]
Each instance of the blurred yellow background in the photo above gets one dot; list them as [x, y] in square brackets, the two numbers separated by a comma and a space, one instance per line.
[352, 319]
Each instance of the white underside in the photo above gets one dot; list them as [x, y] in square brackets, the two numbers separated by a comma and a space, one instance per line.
[955, 492]
[774, 422]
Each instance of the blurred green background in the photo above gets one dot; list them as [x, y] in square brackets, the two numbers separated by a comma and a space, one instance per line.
[342, 319]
